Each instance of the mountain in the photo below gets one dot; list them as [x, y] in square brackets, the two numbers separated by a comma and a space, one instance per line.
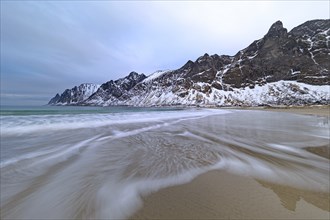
[75, 95]
[282, 68]
[112, 91]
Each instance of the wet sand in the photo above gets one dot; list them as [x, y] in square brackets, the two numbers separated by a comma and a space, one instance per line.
[306, 110]
[218, 194]
[187, 164]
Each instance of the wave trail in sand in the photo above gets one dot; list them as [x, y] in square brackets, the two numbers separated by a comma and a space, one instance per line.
[99, 166]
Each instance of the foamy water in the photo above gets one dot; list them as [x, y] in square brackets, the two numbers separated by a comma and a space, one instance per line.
[83, 166]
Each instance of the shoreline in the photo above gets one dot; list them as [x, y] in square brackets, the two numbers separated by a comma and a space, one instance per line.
[218, 194]
[318, 110]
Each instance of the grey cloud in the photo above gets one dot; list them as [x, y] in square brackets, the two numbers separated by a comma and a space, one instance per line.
[48, 46]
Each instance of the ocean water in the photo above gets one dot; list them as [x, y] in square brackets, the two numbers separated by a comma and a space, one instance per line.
[93, 162]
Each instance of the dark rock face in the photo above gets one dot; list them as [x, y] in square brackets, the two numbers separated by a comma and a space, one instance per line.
[75, 95]
[297, 55]
[113, 90]
[54, 100]
[204, 69]
[276, 31]
[301, 55]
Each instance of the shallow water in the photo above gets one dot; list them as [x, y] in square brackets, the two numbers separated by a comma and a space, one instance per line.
[98, 165]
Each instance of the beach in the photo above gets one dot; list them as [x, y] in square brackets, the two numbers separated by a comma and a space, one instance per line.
[321, 110]
[163, 163]
[219, 194]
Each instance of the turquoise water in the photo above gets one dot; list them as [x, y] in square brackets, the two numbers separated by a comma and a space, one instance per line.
[58, 110]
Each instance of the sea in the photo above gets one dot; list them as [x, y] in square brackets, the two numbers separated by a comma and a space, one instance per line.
[71, 162]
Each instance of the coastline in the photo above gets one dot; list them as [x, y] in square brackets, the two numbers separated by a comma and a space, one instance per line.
[318, 110]
[218, 194]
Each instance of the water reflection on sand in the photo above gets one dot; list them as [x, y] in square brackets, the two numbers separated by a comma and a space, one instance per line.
[101, 172]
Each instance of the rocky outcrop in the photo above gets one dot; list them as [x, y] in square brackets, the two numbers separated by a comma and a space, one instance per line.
[54, 100]
[290, 68]
[114, 90]
[74, 96]
[297, 55]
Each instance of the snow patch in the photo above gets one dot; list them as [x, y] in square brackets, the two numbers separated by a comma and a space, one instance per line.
[281, 92]
[155, 75]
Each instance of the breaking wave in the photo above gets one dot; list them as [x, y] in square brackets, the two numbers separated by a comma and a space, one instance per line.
[99, 165]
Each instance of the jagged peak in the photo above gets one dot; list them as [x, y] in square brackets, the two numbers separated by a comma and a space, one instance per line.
[276, 30]
[277, 24]
[225, 73]
[215, 56]
[133, 73]
[131, 76]
[206, 56]
[188, 64]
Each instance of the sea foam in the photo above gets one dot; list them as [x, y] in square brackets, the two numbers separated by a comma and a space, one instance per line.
[100, 166]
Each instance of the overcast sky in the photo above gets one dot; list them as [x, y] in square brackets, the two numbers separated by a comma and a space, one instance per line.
[48, 46]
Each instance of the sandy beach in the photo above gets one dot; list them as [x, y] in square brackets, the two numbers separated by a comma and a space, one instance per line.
[307, 110]
[219, 194]
[193, 163]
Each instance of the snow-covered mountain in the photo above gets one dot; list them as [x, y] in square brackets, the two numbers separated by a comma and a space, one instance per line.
[282, 68]
[75, 95]
[112, 91]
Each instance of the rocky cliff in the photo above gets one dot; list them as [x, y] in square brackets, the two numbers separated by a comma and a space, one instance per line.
[74, 96]
[290, 68]
[117, 90]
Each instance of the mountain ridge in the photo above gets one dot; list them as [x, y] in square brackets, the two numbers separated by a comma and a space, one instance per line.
[282, 64]
[74, 95]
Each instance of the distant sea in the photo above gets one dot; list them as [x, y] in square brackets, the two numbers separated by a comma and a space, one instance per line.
[58, 110]
[68, 162]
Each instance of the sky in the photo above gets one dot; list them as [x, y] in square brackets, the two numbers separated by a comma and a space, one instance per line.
[49, 46]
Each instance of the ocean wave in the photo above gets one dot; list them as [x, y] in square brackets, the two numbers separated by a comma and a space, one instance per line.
[102, 172]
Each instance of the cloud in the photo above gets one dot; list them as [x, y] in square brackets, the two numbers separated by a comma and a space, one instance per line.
[48, 46]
